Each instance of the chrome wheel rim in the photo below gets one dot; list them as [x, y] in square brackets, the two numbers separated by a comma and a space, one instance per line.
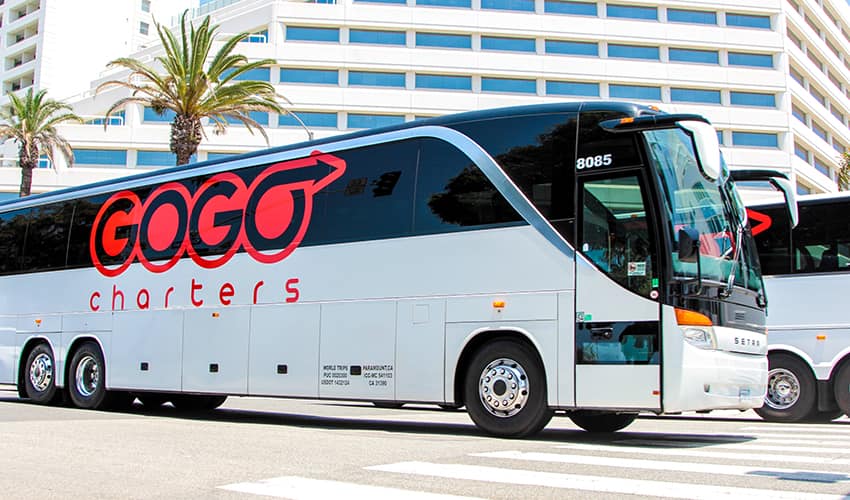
[783, 389]
[41, 372]
[503, 387]
[87, 376]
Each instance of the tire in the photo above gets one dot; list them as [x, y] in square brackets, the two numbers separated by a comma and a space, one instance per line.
[824, 416]
[40, 375]
[196, 402]
[601, 421]
[507, 370]
[791, 390]
[842, 388]
[152, 400]
[387, 404]
[87, 378]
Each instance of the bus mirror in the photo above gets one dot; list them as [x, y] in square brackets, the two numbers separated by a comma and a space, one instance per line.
[707, 148]
[688, 245]
[778, 180]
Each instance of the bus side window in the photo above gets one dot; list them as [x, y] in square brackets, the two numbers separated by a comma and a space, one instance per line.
[13, 229]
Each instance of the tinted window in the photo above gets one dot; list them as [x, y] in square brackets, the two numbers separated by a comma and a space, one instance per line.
[443, 40]
[632, 12]
[593, 141]
[747, 21]
[633, 51]
[821, 242]
[319, 76]
[375, 79]
[773, 238]
[537, 153]
[695, 95]
[694, 55]
[453, 193]
[570, 7]
[523, 5]
[509, 44]
[755, 60]
[508, 85]
[78, 239]
[377, 37]
[312, 34]
[448, 82]
[635, 92]
[691, 16]
[572, 48]
[47, 236]
[13, 230]
[572, 88]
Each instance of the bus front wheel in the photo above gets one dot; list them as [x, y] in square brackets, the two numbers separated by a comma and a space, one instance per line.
[790, 390]
[40, 376]
[505, 390]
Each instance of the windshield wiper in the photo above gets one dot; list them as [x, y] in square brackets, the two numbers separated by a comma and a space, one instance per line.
[737, 254]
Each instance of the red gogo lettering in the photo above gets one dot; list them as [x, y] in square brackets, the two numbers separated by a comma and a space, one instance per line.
[267, 219]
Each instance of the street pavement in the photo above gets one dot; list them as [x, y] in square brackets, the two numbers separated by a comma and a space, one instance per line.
[253, 448]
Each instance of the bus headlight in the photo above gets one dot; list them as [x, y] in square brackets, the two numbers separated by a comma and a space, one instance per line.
[700, 337]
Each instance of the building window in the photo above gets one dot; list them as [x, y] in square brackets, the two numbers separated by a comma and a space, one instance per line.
[802, 189]
[569, 7]
[691, 16]
[521, 5]
[144, 28]
[158, 159]
[377, 37]
[572, 48]
[358, 120]
[695, 95]
[316, 119]
[375, 79]
[635, 92]
[818, 96]
[149, 115]
[112, 157]
[801, 152]
[632, 12]
[754, 60]
[310, 34]
[821, 166]
[755, 139]
[443, 40]
[508, 85]
[508, 44]
[819, 130]
[796, 76]
[798, 113]
[312, 76]
[747, 21]
[146, 5]
[467, 4]
[572, 88]
[381, 1]
[445, 82]
[694, 56]
[753, 99]
[258, 37]
[633, 51]
[260, 117]
[257, 74]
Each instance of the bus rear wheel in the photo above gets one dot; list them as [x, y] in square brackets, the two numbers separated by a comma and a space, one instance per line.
[790, 390]
[40, 376]
[601, 421]
[505, 390]
[842, 388]
[87, 378]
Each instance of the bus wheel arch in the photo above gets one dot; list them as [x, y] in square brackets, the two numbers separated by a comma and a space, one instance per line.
[499, 368]
[38, 377]
[791, 389]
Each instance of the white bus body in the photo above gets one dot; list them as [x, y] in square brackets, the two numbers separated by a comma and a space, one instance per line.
[807, 270]
[191, 284]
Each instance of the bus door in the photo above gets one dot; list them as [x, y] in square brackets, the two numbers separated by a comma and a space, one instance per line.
[617, 334]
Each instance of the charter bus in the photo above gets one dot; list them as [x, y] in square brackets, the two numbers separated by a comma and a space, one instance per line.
[590, 259]
[807, 275]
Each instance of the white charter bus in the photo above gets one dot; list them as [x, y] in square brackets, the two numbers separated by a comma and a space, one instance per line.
[807, 273]
[581, 258]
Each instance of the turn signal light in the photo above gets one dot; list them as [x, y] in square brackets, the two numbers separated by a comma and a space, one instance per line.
[685, 317]
[499, 304]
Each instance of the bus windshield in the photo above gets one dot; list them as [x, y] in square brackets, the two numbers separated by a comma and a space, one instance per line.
[711, 207]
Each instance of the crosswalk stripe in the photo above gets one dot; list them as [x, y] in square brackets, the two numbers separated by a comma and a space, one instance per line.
[751, 445]
[302, 488]
[644, 487]
[678, 452]
[704, 468]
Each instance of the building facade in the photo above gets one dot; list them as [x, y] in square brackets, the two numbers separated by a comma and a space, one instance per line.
[773, 76]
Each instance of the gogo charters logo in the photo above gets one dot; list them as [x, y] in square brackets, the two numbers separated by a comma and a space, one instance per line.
[267, 219]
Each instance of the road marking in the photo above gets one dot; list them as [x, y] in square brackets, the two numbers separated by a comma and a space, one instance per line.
[491, 475]
[679, 452]
[703, 468]
[302, 488]
[751, 445]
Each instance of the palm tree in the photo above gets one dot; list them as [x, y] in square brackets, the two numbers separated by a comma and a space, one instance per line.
[844, 172]
[193, 89]
[31, 122]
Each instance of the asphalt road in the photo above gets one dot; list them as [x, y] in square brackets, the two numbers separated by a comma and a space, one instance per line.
[323, 449]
